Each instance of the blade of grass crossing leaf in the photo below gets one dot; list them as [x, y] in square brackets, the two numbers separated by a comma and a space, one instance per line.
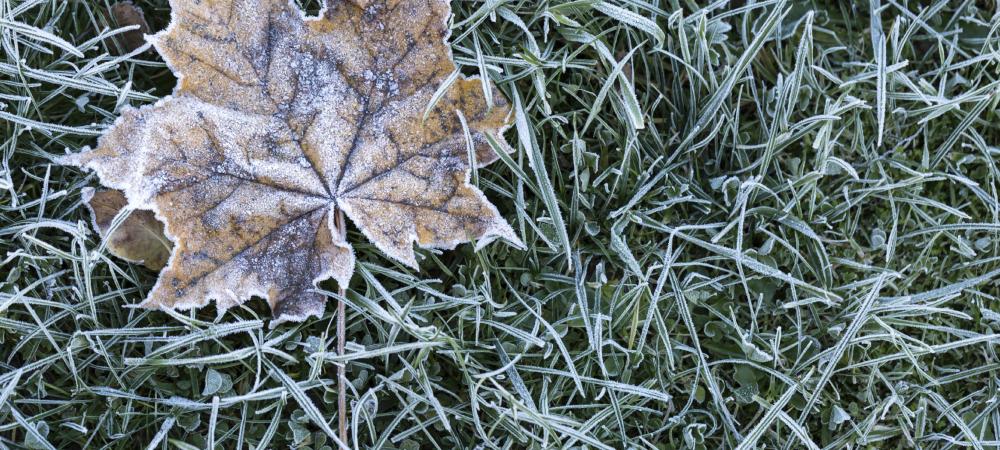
[879, 45]
[213, 420]
[631, 103]
[29, 428]
[966, 122]
[49, 128]
[181, 445]
[713, 387]
[950, 289]
[537, 163]
[628, 92]
[715, 101]
[947, 409]
[9, 387]
[515, 377]
[579, 278]
[377, 352]
[484, 74]
[632, 20]
[168, 424]
[272, 428]
[749, 262]
[41, 35]
[801, 433]
[433, 400]
[440, 92]
[563, 350]
[860, 318]
[306, 404]
[772, 414]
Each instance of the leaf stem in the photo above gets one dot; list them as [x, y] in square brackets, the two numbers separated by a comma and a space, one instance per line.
[341, 369]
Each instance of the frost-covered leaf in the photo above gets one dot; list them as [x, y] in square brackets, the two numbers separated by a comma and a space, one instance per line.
[37, 440]
[139, 238]
[838, 416]
[216, 382]
[125, 14]
[278, 121]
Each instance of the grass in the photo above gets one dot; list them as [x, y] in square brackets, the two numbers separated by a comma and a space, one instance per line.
[748, 224]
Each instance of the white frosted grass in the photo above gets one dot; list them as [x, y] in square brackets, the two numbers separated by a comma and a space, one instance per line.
[40, 35]
[493, 343]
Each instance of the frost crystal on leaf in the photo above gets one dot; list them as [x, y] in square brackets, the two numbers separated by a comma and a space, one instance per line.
[277, 121]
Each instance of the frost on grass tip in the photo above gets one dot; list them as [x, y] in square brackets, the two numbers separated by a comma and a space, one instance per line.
[278, 121]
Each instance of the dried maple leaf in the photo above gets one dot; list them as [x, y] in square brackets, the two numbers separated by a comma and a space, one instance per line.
[139, 238]
[277, 122]
[127, 14]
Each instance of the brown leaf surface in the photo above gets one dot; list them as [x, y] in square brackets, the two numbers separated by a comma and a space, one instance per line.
[138, 239]
[277, 121]
[125, 14]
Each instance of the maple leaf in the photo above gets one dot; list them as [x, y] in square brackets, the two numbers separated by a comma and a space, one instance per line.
[138, 239]
[280, 120]
[126, 14]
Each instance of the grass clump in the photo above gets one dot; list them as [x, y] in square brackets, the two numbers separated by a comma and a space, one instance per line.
[761, 224]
